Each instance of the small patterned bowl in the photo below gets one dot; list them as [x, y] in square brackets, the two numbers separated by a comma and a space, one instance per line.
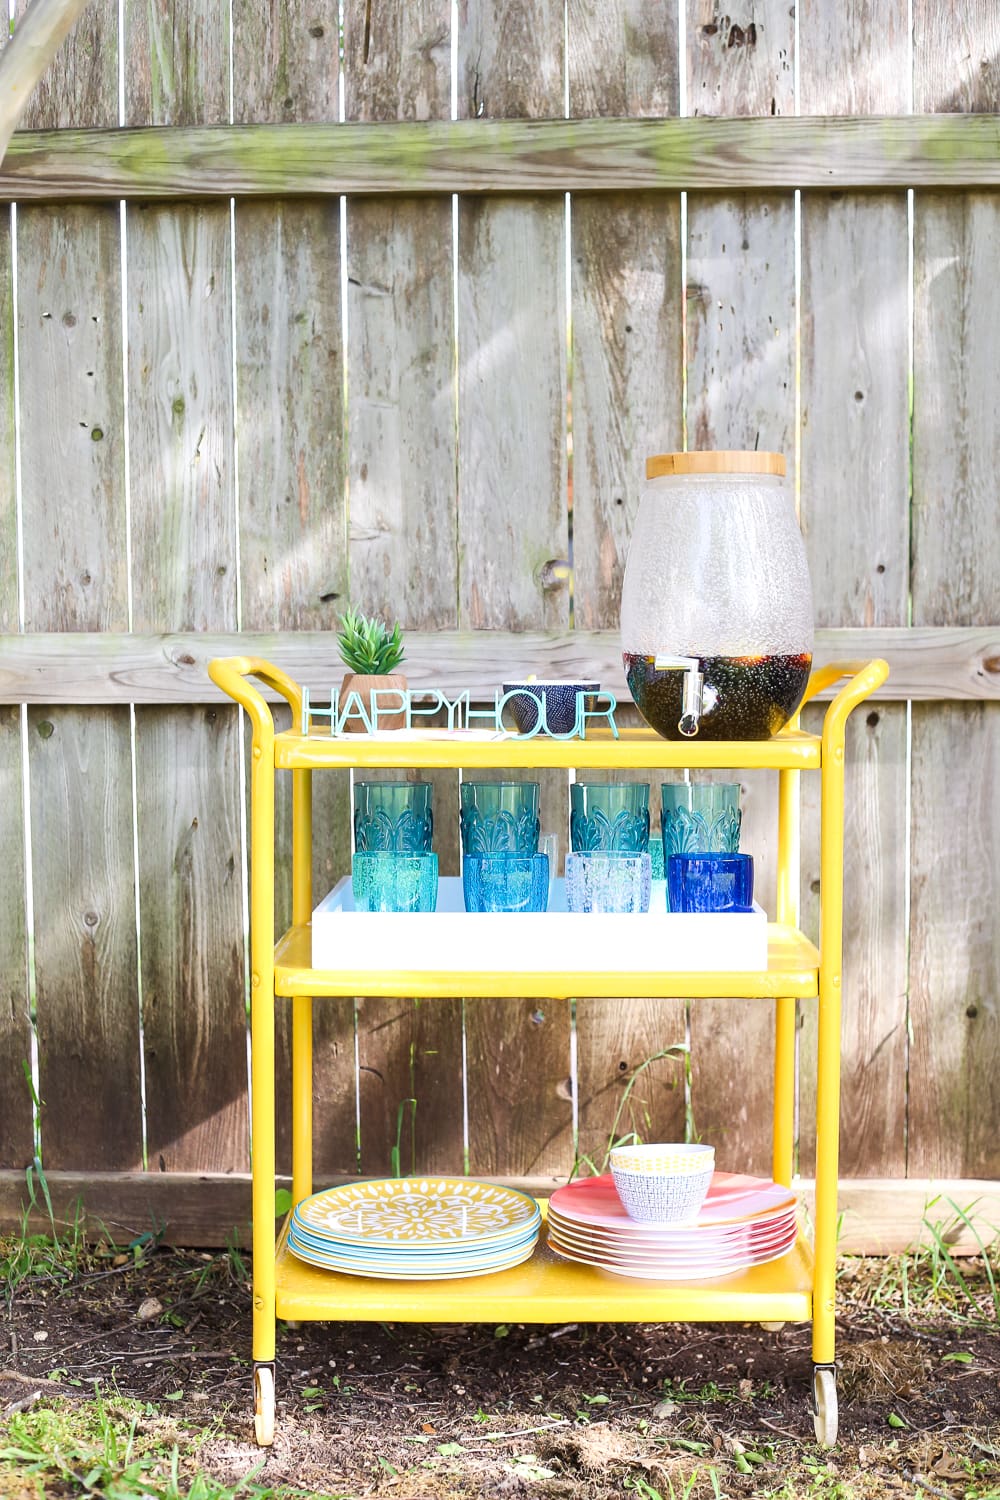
[662, 1184]
[559, 699]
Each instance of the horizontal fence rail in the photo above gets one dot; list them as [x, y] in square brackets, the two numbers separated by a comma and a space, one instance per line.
[927, 663]
[508, 156]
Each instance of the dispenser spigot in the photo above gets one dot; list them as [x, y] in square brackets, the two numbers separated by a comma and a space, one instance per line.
[693, 691]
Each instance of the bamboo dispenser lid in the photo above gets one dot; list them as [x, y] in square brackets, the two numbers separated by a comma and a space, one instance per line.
[723, 461]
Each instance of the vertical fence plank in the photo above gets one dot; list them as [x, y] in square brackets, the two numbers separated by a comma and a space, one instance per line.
[741, 394]
[292, 522]
[184, 578]
[512, 518]
[403, 518]
[626, 403]
[954, 1099]
[855, 463]
[73, 490]
[15, 1001]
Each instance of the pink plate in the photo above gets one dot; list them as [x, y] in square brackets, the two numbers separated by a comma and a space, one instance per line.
[685, 1237]
[594, 1244]
[732, 1199]
[677, 1270]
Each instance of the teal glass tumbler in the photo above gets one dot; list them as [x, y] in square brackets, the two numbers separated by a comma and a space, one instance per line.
[383, 881]
[499, 817]
[505, 882]
[609, 817]
[699, 818]
[393, 817]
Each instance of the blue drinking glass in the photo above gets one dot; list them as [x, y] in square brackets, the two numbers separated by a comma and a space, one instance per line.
[700, 818]
[611, 816]
[393, 817]
[383, 881]
[608, 882]
[710, 882]
[499, 817]
[505, 882]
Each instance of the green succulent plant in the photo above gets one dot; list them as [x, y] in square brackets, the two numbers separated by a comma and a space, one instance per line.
[368, 646]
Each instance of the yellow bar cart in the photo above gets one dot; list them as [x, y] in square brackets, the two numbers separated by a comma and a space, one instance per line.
[797, 1288]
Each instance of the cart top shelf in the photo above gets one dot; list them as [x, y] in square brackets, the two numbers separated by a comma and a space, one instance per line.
[635, 749]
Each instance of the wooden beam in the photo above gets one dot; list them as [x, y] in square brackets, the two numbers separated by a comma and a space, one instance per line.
[880, 1216]
[505, 156]
[927, 663]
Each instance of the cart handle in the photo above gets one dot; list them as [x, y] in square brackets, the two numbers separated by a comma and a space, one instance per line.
[231, 674]
[866, 677]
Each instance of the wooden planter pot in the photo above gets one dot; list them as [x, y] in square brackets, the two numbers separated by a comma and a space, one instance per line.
[364, 685]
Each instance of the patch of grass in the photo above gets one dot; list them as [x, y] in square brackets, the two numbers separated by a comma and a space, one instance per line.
[43, 1257]
[931, 1281]
[112, 1450]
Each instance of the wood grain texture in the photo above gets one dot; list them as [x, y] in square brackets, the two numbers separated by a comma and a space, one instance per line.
[80, 87]
[292, 508]
[954, 949]
[16, 1143]
[880, 1216]
[286, 63]
[512, 514]
[75, 546]
[517, 156]
[621, 58]
[176, 63]
[403, 543]
[927, 663]
[955, 57]
[184, 553]
[289, 380]
[854, 507]
[70, 338]
[741, 59]
[740, 297]
[86, 964]
[955, 1018]
[626, 401]
[194, 1017]
[16, 1140]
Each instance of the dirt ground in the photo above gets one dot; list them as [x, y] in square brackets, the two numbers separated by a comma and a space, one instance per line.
[584, 1411]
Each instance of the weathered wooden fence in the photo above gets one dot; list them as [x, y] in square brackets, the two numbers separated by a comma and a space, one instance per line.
[334, 331]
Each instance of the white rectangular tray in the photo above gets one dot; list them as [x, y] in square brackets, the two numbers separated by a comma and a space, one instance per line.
[556, 941]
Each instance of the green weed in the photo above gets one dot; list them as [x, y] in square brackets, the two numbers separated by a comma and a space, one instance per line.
[112, 1450]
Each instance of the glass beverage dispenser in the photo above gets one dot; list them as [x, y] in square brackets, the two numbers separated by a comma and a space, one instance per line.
[716, 613]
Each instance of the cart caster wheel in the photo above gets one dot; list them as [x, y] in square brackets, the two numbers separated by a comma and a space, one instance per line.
[263, 1405]
[824, 1405]
[772, 1327]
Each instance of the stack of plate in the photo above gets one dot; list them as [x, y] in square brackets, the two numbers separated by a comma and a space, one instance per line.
[420, 1229]
[745, 1221]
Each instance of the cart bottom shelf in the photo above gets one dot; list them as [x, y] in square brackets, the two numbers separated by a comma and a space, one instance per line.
[547, 1289]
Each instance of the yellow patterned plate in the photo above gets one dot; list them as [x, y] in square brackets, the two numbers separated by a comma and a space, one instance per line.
[418, 1211]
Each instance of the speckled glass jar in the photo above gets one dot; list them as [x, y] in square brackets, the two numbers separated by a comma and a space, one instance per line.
[716, 615]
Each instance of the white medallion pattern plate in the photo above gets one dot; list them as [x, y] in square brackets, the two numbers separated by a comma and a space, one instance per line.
[419, 1211]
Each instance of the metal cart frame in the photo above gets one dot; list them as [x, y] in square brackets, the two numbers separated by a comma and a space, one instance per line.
[798, 1288]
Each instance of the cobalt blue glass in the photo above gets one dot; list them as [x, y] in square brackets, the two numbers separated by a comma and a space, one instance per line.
[700, 818]
[710, 882]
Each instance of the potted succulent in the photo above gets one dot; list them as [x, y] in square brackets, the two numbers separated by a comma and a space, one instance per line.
[371, 653]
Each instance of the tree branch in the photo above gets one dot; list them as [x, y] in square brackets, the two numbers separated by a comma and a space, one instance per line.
[36, 40]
